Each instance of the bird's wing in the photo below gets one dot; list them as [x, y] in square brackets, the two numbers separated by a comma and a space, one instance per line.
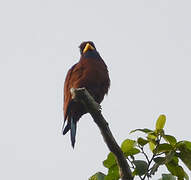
[67, 95]
[73, 75]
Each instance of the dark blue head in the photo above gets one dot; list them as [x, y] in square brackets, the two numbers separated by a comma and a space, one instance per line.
[88, 49]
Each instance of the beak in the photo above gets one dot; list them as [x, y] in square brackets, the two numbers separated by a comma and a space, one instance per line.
[88, 47]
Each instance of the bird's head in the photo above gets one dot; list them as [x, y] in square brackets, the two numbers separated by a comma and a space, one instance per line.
[86, 47]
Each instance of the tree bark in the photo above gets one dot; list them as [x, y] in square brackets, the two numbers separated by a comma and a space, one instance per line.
[82, 95]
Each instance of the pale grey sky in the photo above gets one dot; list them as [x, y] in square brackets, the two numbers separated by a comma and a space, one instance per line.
[147, 47]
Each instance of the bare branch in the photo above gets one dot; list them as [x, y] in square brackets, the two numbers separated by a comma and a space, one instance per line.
[94, 109]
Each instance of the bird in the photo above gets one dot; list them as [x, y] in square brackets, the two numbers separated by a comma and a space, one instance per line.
[89, 72]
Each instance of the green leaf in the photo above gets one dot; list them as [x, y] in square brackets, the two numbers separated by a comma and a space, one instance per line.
[128, 147]
[176, 170]
[98, 176]
[113, 173]
[152, 136]
[188, 144]
[163, 148]
[174, 161]
[110, 161]
[141, 167]
[184, 144]
[111, 164]
[168, 177]
[152, 141]
[185, 152]
[186, 158]
[171, 139]
[142, 141]
[170, 157]
[160, 122]
[127, 144]
[162, 160]
[159, 160]
[132, 152]
[145, 130]
[151, 146]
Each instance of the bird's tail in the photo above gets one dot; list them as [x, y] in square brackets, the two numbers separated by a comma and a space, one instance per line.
[71, 125]
[73, 132]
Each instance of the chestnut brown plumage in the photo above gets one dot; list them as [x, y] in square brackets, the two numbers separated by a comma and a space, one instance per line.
[90, 72]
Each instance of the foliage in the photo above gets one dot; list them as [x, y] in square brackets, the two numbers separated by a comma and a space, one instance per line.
[165, 150]
[98, 176]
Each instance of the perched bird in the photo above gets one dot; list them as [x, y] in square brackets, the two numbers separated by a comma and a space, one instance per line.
[90, 72]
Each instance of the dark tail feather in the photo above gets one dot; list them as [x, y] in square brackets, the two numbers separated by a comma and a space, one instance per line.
[67, 116]
[67, 128]
[73, 132]
[71, 125]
